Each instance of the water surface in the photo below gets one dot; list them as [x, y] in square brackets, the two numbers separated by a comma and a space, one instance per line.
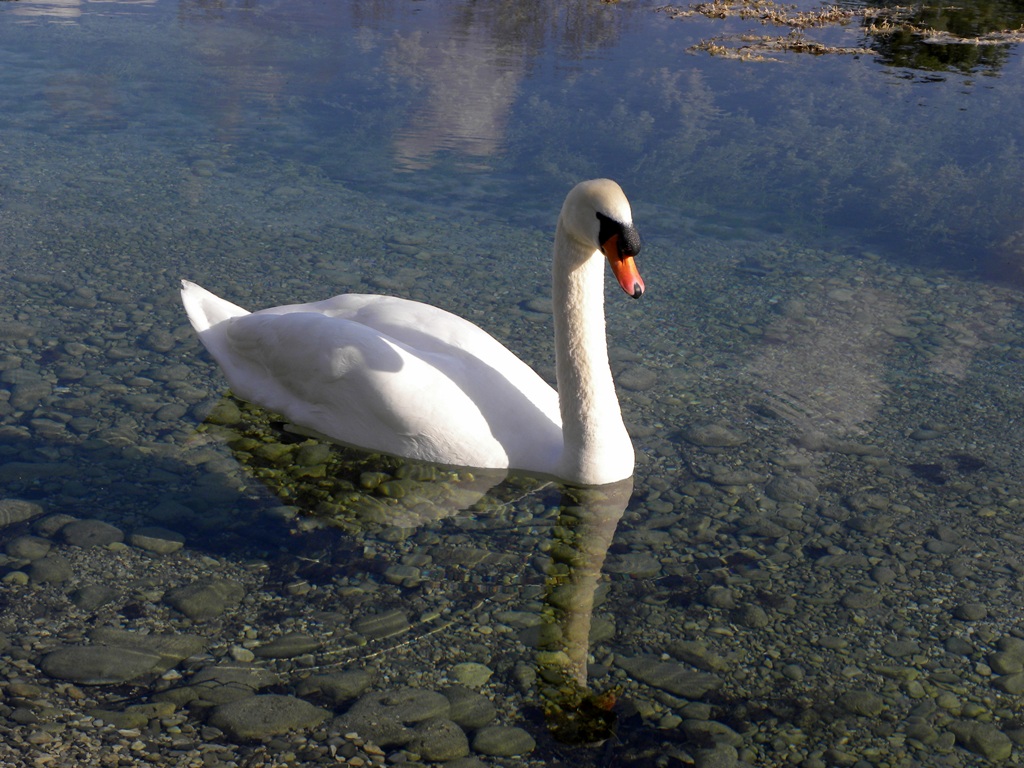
[818, 560]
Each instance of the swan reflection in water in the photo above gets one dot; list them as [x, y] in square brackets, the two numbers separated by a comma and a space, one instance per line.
[367, 495]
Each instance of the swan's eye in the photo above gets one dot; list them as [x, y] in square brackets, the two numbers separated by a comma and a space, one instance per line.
[628, 238]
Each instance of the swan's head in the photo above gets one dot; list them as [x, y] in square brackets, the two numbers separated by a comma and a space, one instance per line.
[597, 213]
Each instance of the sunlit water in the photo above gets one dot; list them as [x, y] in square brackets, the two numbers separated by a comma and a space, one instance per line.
[818, 562]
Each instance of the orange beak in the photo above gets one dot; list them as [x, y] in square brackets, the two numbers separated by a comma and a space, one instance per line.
[623, 267]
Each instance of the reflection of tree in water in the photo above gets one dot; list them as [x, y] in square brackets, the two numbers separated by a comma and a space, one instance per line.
[939, 37]
[969, 37]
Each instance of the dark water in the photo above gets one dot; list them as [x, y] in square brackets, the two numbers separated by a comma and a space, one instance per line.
[818, 562]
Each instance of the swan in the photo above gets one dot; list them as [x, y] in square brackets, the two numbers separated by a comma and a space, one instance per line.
[413, 380]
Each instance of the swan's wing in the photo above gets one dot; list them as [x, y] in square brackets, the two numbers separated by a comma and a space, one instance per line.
[416, 325]
[354, 383]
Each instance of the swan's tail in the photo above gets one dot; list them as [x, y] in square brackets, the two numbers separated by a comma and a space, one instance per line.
[205, 309]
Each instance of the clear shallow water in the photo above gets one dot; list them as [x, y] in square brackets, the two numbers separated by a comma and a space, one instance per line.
[823, 380]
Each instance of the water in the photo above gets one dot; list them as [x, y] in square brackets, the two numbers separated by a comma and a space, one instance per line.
[818, 559]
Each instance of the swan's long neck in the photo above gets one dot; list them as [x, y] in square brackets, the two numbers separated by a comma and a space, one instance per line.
[596, 447]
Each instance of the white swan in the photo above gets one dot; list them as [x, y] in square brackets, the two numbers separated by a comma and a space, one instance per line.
[410, 379]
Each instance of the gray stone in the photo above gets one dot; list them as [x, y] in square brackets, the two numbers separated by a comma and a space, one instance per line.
[503, 741]
[17, 511]
[377, 626]
[786, 488]
[171, 513]
[51, 525]
[959, 646]
[712, 435]
[1012, 684]
[236, 673]
[1003, 663]
[120, 720]
[865, 703]
[637, 378]
[753, 616]
[159, 541]
[91, 533]
[639, 564]
[100, 664]
[207, 598]
[287, 646]
[255, 717]
[859, 601]
[710, 731]
[439, 740]
[719, 756]
[224, 412]
[384, 717]
[407, 705]
[173, 647]
[970, 611]
[982, 738]
[28, 471]
[719, 596]
[872, 524]
[471, 674]
[1012, 646]
[699, 655]
[92, 596]
[469, 709]
[27, 395]
[901, 648]
[338, 687]
[52, 569]
[669, 676]
[28, 547]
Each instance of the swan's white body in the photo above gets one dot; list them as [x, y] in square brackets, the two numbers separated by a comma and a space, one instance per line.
[413, 380]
